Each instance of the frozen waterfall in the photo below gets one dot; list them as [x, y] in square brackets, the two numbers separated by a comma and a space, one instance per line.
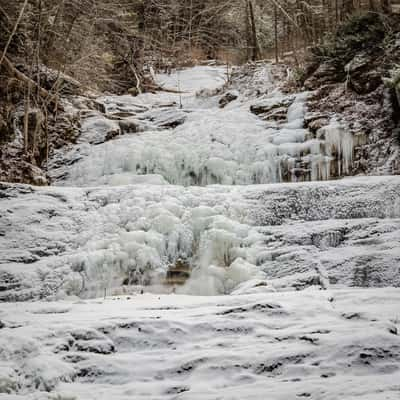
[142, 194]
[228, 146]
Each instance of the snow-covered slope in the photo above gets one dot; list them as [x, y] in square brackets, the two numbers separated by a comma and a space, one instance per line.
[312, 344]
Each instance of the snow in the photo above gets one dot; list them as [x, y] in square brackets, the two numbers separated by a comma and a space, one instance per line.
[192, 80]
[293, 287]
[317, 344]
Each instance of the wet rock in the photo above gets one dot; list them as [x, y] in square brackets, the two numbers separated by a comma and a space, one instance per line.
[178, 273]
[328, 239]
[83, 103]
[268, 368]
[267, 307]
[74, 358]
[121, 115]
[91, 341]
[190, 366]
[393, 330]
[309, 339]
[65, 129]
[81, 334]
[307, 281]
[167, 119]
[228, 98]
[90, 372]
[178, 389]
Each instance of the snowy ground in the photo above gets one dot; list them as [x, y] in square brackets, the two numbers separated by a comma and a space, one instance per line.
[311, 344]
[299, 280]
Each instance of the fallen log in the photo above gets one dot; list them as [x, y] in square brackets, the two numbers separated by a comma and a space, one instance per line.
[48, 97]
[164, 89]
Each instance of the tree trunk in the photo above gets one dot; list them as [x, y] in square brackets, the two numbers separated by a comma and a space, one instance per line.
[276, 34]
[386, 6]
[248, 32]
[255, 47]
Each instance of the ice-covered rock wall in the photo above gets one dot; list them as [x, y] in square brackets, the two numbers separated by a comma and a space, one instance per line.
[64, 241]
[256, 138]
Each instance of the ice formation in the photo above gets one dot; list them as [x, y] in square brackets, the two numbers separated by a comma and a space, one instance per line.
[229, 146]
[132, 233]
[62, 242]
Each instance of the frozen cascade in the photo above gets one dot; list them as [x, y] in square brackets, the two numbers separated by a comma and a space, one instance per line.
[132, 233]
[229, 146]
[83, 241]
[158, 237]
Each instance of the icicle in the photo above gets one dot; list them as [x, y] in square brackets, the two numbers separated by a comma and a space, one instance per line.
[338, 145]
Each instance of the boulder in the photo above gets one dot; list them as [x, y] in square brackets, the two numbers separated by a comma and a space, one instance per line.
[65, 129]
[272, 110]
[50, 78]
[84, 103]
[325, 74]
[228, 98]
[98, 129]
[166, 118]
[129, 126]
[315, 120]
[363, 75]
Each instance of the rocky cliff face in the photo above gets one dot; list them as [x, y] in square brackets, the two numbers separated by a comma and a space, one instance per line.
[348, 77]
